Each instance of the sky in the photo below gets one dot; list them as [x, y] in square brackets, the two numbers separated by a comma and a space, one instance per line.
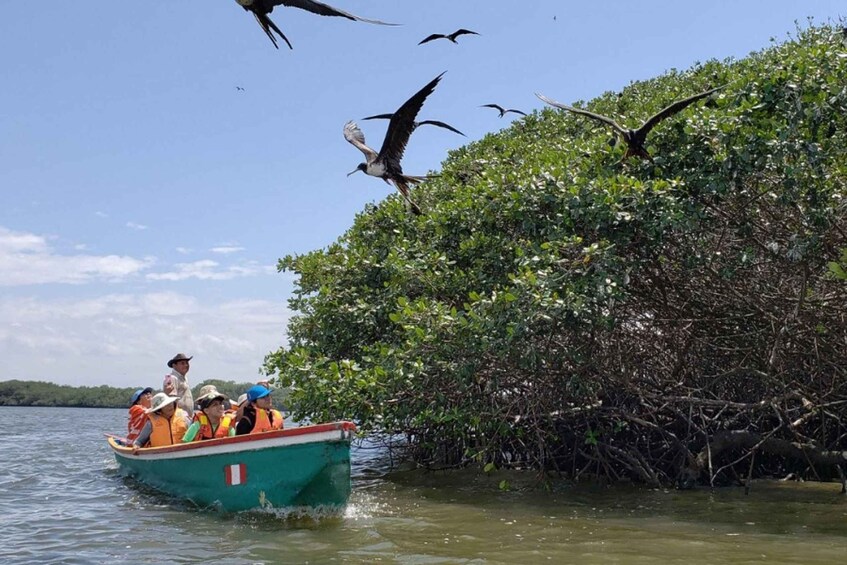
[158, 158]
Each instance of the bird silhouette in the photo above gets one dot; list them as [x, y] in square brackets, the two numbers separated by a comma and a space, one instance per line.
[239, 88]
[261, 9]
[416, 124]
[452, 37]
[502, 110]
[635, 138]
[386, 163]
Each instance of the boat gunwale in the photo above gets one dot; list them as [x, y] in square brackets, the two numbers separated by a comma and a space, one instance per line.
[243, 441]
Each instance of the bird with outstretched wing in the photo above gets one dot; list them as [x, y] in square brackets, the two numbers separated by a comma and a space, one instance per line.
[452, 36]
[635, 138]
[261, 8]
[385, 164]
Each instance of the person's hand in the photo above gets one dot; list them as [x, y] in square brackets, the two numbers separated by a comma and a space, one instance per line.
[135, 450]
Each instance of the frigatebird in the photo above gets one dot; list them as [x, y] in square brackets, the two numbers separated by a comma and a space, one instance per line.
[416, 124]
[386, 163]
[452, 37]
[261, 9]
[635, 138]
[502, 110]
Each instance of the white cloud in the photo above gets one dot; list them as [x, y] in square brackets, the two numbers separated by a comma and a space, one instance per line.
[134, 226]
[100, 214]
[27, 259]
[125, 339]
[207, 269]
[226, 249]
[183, 250]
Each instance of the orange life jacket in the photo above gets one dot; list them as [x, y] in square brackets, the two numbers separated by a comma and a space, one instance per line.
[263, 423]
[205, 431]
[167, 432]
[137, 419]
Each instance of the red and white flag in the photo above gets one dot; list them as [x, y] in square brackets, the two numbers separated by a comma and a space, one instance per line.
[235, 474]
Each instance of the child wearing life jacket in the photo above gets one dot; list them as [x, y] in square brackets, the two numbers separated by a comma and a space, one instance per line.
[166, 423]
[259, 415]
[137, 416]
[211, 420]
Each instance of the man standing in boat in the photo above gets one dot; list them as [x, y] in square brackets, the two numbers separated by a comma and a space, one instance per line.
[176, 382]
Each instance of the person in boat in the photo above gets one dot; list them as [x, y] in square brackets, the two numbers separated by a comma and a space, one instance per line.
[166, 423]
[259, 414]
[139, 402]
[176, 382]
[211, 420]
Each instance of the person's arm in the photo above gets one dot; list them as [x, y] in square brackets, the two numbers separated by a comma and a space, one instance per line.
[169, 386]
[244, 425]
[144, 436]
[191, 432]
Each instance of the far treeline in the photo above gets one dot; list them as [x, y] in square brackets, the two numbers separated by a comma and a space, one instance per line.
[37, 393]
[679, 320]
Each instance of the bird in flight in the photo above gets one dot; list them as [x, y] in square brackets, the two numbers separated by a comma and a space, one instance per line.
[635, 138]
[386, 163]
[452, 37]
[261, 9]
[416, 124]
[239, 88]
[502, 110]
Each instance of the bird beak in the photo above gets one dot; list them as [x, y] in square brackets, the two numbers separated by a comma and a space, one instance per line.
[353, 171]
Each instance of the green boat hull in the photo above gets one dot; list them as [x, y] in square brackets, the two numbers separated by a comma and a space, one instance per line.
[302, 467]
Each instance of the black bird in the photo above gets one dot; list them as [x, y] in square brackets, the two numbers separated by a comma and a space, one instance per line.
[261, 9]
[386, 163]
[635, 138]
[502, 110]
[416, 124]
[452, 37]
[239, 88]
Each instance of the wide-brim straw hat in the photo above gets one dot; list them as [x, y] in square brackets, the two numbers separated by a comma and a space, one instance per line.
[160, 400]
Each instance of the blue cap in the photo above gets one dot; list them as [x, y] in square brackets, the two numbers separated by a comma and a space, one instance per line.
[256, 392]
[137, 394]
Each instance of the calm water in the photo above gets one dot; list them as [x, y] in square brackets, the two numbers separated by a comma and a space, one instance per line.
[62, 501]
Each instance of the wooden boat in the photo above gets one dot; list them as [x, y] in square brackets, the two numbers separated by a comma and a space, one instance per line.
[306, 466]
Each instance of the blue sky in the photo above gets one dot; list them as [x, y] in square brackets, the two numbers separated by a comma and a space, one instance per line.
[146, 200]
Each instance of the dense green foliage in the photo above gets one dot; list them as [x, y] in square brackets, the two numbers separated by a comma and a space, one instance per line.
[37, 393]
[555, 308]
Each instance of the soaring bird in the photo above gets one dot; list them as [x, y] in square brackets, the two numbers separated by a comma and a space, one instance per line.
[635, 138]
[261, 9]
[386, 163]
[416, 124]
[452, 37]
[502, 110]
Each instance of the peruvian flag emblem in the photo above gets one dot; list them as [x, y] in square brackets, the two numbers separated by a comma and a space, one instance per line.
[235, 474]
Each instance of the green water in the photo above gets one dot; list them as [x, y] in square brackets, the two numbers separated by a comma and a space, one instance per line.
[63, 501]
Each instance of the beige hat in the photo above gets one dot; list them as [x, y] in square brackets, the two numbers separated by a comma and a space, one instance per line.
[207, 390]
[242, 399]
[160, 400]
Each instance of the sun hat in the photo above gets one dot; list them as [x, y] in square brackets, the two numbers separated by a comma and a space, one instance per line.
[256, 392]
[160, 400]
[208, 399]
[138, 394]
[206, 390]
[207, 393]
[241, 399]
[179, 357]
